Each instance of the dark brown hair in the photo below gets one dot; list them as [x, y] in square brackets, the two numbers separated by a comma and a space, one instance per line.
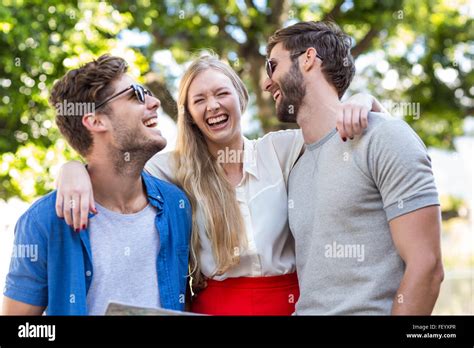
[83, 88]
[330, 42]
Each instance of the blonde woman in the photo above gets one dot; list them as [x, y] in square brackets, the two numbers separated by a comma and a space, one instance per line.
[242, 252]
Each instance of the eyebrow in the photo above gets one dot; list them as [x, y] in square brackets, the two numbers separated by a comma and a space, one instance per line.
[275, 58]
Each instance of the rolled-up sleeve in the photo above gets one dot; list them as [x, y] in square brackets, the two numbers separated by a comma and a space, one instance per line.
[27, 280]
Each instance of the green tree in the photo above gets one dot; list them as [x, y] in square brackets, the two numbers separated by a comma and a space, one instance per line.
[40, 41]
[425, 46]
[436, 36]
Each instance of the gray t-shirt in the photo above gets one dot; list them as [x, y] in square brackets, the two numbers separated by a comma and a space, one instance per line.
[124, 252]
[341, 198]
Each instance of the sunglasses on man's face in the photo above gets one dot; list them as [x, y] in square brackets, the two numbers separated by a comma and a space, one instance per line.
[270, 65]
[138, 90]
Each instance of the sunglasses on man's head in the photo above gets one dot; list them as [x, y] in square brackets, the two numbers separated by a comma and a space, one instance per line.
[271, 65]
[138, 90]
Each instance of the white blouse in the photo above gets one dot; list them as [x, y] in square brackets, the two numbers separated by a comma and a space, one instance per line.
[263, 201]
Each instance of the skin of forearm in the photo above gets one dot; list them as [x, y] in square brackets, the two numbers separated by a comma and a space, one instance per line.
[12, 307]
[418, 291]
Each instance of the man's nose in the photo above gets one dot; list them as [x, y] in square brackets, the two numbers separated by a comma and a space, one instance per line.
[152, 102]
[267, 83]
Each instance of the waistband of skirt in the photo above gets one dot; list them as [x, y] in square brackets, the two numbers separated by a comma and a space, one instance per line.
[284, 280]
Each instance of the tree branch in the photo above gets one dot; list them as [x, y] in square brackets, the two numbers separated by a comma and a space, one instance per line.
[335, 12]
[222, 23]
[158, 87]
[364, 44]
[469, 112]
[274, 18]
[250, 4]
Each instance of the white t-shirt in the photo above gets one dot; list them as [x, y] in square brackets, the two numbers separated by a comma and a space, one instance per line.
[263, 200]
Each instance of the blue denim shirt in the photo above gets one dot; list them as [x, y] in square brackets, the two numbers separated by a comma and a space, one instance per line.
[59, 275]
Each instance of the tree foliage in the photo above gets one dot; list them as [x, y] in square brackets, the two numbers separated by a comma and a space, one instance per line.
[418, 52]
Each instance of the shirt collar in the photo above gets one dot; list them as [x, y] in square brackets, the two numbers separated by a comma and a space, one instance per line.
[250, 158]
[152, 188]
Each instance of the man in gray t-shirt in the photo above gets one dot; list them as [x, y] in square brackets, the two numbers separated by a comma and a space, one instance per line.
[342, 196]
[364, 213]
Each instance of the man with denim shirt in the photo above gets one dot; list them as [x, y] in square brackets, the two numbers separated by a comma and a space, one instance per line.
[136, 247]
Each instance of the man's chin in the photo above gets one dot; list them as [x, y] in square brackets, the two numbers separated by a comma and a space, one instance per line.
[156, 140]
[158, 144]
[161, 145]
[150, 147]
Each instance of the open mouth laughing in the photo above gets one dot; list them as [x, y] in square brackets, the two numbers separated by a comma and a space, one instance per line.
[217, 122]
[151, 122]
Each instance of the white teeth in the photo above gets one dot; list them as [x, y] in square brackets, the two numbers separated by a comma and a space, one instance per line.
[217, 119]
[276, 95]
[150, 122]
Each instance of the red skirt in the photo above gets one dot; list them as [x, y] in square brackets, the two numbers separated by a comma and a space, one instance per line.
[276, 295]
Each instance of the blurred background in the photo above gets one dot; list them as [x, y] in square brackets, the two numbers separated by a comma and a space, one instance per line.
[415, 56]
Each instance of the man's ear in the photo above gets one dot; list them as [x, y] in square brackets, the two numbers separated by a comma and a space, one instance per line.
[310, 59]
[95, 123]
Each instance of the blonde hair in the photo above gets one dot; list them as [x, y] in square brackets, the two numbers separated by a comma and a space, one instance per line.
[204, 180]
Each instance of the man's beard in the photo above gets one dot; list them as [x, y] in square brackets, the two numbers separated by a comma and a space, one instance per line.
[132, 150]
[292, 93]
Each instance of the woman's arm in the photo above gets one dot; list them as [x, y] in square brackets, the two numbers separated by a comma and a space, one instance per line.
[353, 118]
[74, 197]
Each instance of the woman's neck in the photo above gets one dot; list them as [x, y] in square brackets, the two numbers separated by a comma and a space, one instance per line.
[230, 156]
